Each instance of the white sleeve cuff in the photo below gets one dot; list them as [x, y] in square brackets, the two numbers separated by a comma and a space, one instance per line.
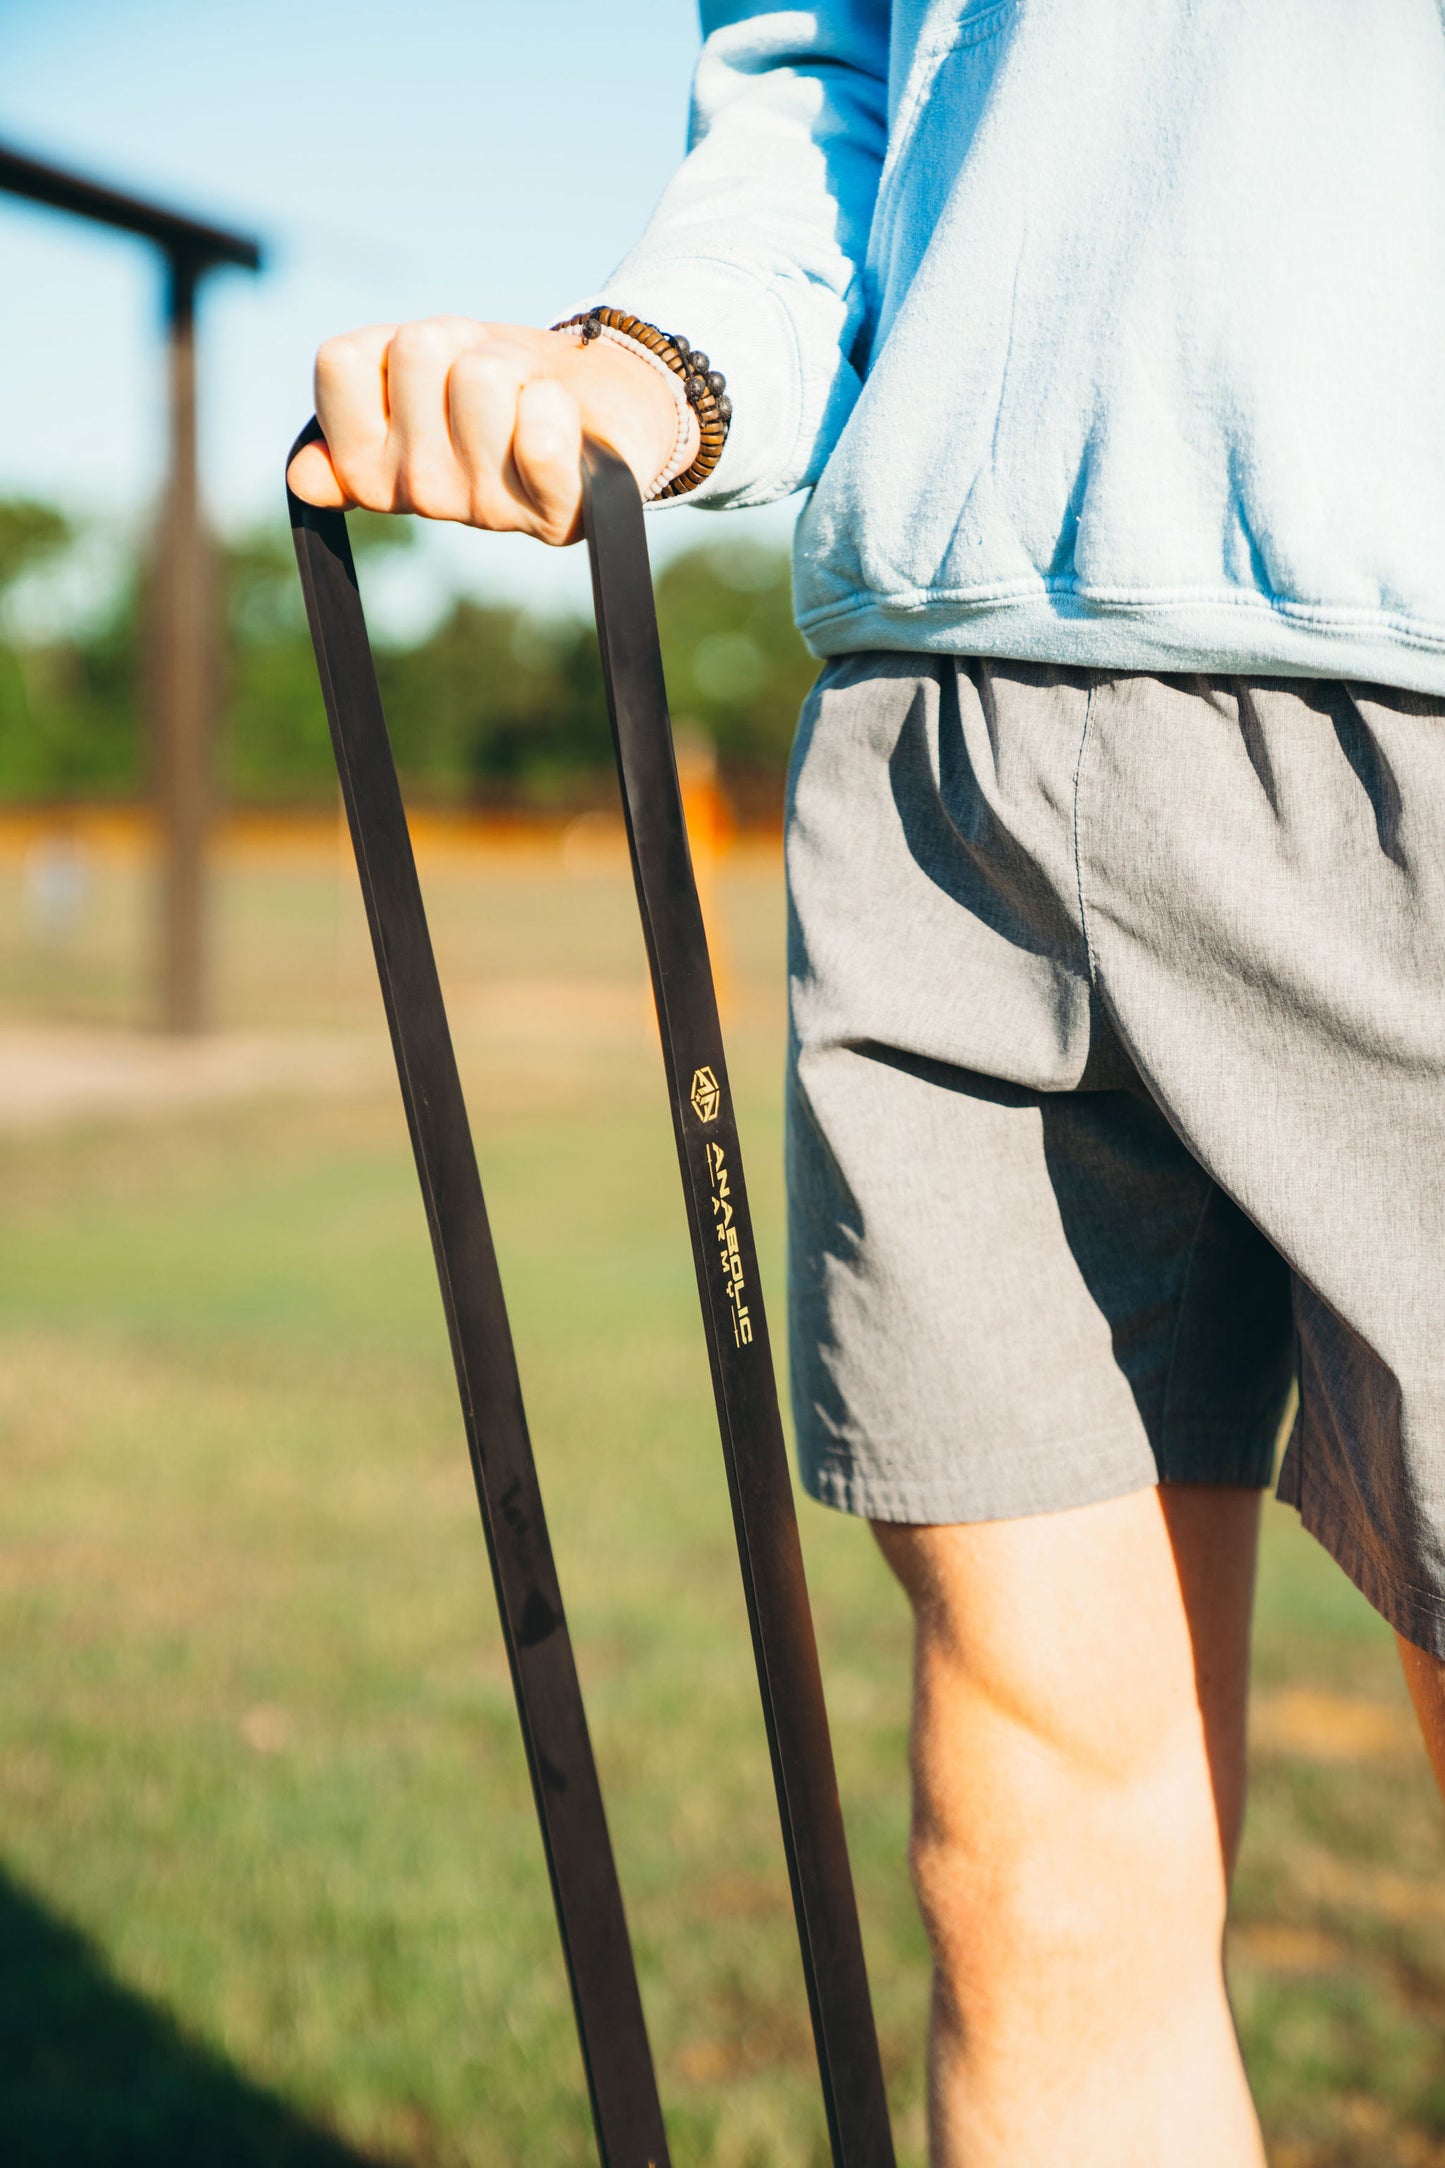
[741, 325]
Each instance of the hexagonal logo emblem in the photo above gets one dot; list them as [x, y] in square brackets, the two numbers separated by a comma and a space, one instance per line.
[706, 1095]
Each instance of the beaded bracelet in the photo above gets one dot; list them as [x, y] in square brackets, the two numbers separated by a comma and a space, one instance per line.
[685, 439]
[704, 387]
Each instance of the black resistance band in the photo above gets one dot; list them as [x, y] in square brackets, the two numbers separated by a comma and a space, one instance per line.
[549, 1701]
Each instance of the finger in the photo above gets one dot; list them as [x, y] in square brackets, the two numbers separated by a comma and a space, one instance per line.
[312, 478]
[547, 451]
[351, 407]
[428, 475]
[482, 394]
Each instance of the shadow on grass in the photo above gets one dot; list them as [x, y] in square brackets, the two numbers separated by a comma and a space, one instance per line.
[92, 2076]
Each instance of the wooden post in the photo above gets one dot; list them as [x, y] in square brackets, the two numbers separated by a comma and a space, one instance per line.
[181, 654]
[182, 680]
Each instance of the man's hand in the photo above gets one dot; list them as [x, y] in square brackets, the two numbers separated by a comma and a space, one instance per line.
[481, 423]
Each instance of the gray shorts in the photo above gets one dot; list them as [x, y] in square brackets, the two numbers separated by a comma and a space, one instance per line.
[1117, 1098]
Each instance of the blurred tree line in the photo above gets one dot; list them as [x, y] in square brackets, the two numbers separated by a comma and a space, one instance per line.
[495, 706]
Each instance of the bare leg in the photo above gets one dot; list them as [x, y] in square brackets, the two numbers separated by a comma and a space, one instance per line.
[1425, 1677]
[1078, 1778]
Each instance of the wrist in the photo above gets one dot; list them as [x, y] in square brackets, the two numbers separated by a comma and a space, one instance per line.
[684, 436]
[665, 426]
[622, 401]
[699, 392]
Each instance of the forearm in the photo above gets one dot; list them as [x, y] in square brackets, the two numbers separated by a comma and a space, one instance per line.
[756, 250]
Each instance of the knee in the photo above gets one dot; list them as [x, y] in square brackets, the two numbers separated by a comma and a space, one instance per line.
[1038, 1872]
[1071, 1829]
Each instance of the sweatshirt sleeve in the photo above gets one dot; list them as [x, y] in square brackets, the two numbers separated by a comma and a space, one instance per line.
[755, 252]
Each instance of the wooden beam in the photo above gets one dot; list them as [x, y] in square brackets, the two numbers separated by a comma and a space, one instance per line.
[38, 182]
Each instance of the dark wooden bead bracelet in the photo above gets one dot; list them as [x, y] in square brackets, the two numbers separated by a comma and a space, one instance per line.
[704, 387]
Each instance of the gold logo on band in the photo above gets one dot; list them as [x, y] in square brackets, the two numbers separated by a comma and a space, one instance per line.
[730, 1256]
[706, 1095]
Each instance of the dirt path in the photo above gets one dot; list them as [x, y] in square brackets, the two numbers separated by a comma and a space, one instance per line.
[55, 1076]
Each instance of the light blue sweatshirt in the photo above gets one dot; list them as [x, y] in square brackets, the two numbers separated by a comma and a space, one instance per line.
[1102, 331]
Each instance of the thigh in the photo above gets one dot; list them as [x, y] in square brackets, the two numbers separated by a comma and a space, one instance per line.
[1101, 1652]
[1262, 869]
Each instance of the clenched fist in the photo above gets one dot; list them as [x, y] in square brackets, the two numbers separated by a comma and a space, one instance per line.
[481, 423]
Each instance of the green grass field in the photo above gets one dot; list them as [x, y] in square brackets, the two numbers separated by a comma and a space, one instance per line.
[270, 1890]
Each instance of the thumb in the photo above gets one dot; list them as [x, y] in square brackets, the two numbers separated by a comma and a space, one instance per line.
[312, 478]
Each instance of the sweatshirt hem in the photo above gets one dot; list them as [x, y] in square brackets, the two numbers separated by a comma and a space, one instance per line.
[1166, 632]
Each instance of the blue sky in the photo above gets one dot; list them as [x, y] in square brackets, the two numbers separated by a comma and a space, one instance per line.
[489, 157]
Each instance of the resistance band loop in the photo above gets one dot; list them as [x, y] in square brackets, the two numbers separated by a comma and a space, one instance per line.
[565, 1786]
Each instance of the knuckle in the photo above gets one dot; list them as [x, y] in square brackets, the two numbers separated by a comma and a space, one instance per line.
[421, 341]
[336, 358]
[482, 372]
